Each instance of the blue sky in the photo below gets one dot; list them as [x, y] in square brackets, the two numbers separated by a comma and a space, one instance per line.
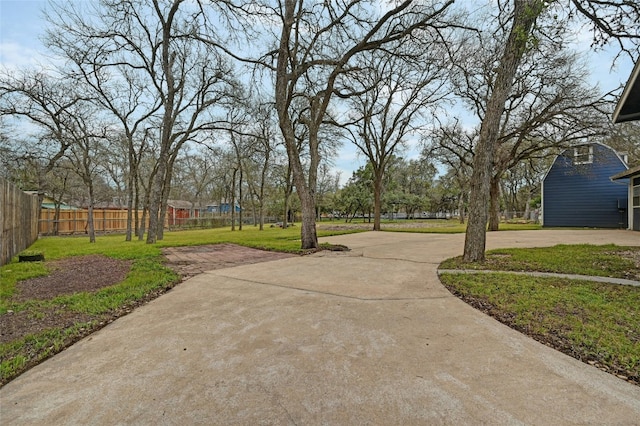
[22, 26]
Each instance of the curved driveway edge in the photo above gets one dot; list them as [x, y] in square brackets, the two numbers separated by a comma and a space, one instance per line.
[593, 278]
[363, 337]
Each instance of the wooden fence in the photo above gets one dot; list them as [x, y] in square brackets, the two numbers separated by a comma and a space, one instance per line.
[19, 220]
[72, 222]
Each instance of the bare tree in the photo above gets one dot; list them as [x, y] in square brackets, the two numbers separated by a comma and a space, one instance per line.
[452, 147]
[609, 20]
[394, 97]
[48, 103]
[194, 175]
[317, 47]
[624, 137]
[67, 126]
[90, 138]
[149, 44]
[261, 156]
[118, 90]
[525, 13]
[551, 109]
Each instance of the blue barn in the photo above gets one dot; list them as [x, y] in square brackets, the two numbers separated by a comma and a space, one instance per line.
[577, 190]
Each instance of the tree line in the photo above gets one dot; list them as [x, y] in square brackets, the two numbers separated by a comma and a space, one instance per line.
[250, 100]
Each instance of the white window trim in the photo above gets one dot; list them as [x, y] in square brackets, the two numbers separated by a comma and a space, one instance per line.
[577, 154]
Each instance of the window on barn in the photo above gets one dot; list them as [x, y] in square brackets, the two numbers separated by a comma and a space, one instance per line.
[583, 154]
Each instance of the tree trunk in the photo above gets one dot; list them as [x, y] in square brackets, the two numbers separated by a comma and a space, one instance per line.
[90, 224]
[130, 189]
[162, 219]
[263, 179]
[166, 189]
[168, 120]
[525, 14]
[527, 208]
[287, 197]
[155, 198]
[307, 195]
[261, 205]
[143, 224]
[240, 204]
[145, 213]
[461, 207]
[129, 231]
[377, 199]
[283, 86]
[285, 216]
[136, 204]
[56, 219]
[494, 204]
[308, 231]
[232, 203]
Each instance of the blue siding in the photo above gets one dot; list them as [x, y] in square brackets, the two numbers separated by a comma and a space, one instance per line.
[583, 195]
[222, 208]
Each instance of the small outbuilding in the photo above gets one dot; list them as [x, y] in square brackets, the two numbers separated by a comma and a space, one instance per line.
[578, 191]
[179, 212]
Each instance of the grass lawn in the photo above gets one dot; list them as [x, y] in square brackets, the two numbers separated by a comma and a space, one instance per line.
[147, 279]
[453, 227]
[597, 323]
[582, 259]
[433, 226]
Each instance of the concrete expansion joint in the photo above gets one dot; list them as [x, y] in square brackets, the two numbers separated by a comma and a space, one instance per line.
[328, 293]
[593, 278]
[418, 262]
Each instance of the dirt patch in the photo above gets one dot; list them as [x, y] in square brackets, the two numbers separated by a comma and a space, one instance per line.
[16, 325]
[94, 272]
[634, 256]
[194, 260]
[68, 276]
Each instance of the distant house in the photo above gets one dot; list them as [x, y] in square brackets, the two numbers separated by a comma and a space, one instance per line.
[577, 191]
[222, 208]
[628, 109]
[49, 203]
[179, 211]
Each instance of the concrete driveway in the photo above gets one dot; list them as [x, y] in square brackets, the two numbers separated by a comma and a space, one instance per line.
[368, 336]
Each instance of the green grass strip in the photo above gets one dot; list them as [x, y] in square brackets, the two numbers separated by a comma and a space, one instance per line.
[582, 259]
[596, 321]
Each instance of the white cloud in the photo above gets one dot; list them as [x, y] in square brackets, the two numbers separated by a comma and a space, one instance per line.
[17, 56]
